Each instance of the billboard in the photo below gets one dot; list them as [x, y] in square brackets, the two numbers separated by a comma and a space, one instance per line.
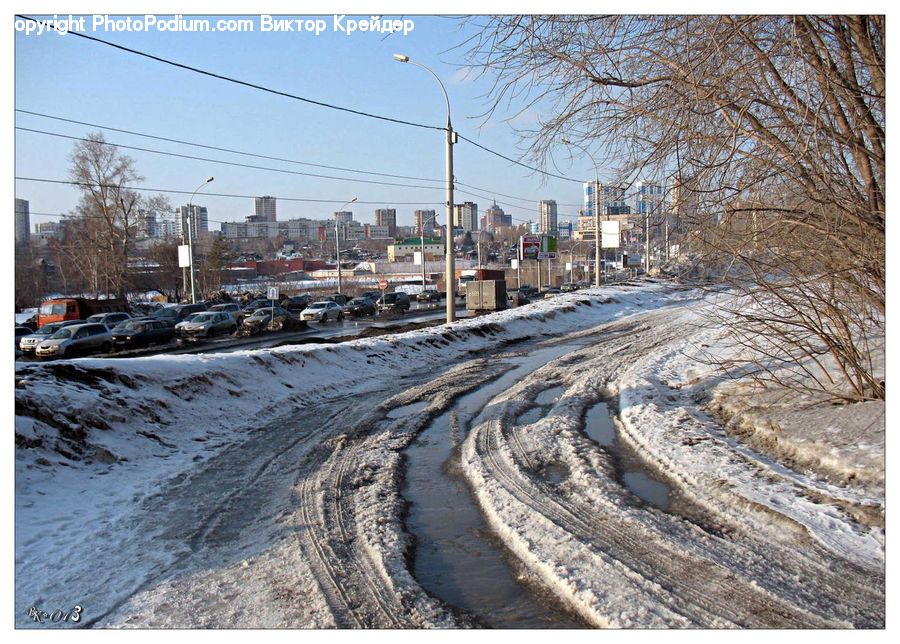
[529, 246]
[548, 248]
[609, 234]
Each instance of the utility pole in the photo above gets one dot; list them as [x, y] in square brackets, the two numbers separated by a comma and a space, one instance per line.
[190, 218]
[337, 246]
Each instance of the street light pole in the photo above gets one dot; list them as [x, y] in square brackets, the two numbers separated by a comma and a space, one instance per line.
[451, 139]
[337, 244]
[190, 218]
[596, 208]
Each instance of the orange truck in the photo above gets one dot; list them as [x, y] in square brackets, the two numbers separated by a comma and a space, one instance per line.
[76, 308]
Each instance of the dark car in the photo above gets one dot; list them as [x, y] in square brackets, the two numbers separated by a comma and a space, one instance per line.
[111, 320]
[360, 306]
[142, 332]
[175, 313]
[296, 303]
[568, 287]
[273, 318]
[397, 301]
[428, 295]
[261, 303]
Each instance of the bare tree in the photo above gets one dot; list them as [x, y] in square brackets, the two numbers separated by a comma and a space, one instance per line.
[772, 132]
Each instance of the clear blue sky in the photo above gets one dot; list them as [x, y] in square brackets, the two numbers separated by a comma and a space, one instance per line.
[73, 78]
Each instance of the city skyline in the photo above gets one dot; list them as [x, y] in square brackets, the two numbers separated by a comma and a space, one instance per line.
[275, 127]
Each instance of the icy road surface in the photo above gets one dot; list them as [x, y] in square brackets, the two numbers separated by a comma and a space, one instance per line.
[266, 488]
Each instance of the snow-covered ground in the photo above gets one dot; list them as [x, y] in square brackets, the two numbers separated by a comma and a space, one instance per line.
[261, 488]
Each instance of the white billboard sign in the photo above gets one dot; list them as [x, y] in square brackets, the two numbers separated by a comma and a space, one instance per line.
[609, 234]
[184, 256]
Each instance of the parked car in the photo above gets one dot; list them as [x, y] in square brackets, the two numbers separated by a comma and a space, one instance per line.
[111, 320]
[359, 306]
[372, 295]
[296, 303]
[257, 304]
[76, 308]
[208, 324]
[141, 332]
[428, 295]
[179, 328]
[568, 287]
[274, 318]
[397, 301]
[517, 298]
[322, 312]
[551, 291]
[338, 298]
[175, 313]
[21, 332]
[234, 310]
[77, 339]
[28, 343]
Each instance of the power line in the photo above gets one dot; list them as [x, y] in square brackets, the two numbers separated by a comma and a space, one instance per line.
[231, 163]
[236, 81]
[220, 149]
[262, 88]
[215, 194]
[511, 160]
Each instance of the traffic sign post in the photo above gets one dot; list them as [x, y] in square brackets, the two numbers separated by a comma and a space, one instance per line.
[272, 294]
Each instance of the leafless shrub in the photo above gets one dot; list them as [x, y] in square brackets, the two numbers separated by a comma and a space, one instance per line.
[771, 130]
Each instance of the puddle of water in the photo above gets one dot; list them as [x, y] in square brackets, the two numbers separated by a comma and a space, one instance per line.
[599, 426]
[407, 410]
[456, 559]
[651, 490]
[531, 416]
[549, 396]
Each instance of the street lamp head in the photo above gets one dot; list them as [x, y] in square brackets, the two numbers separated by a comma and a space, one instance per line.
[567, 141]
[400, 58]
[210, 179]
[352, 200]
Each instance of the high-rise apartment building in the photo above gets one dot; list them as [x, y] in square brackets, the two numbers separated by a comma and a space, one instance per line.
[199, 221]
[265, 208]
[494, 219]
[387, 217]
[648, 198]
[547, 216]
[425, 223]
[22, 222]
[343, 217]
[465, 216]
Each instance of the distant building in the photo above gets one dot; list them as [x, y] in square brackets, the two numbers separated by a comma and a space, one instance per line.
[22, 222]
[387, 217]
[465, 216]
[343, 217]
[265, 208]
[534, 228]
[48, 229]
[199, 221]
[494, 219]
[405, 251]
[648, 198]
[564, 230]
[425, 222]
[547, 216]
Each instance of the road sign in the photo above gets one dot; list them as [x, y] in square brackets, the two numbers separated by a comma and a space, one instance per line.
[548, 248]
[382, 284]
[272, 293]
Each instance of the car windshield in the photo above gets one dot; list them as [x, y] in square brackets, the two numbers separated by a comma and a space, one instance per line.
[202, 317]
[95, 318]
[358, 300]
[318, 305]
[190, 317]
[53, 309]
[166, 313]
[47, 330]
[62, 334]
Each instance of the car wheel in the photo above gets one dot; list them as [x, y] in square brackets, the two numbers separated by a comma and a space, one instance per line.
[323, 318]
[340, 316]
[64, 354]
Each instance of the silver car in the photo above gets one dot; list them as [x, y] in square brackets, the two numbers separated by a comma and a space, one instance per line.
[78, 339]
[322, 311]
[28, 343]
[207, 325]
[234, 310]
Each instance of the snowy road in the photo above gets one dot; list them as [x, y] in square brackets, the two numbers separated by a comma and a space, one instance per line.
[266, 489]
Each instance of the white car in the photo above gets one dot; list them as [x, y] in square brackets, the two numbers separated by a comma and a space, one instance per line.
[322, 312]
